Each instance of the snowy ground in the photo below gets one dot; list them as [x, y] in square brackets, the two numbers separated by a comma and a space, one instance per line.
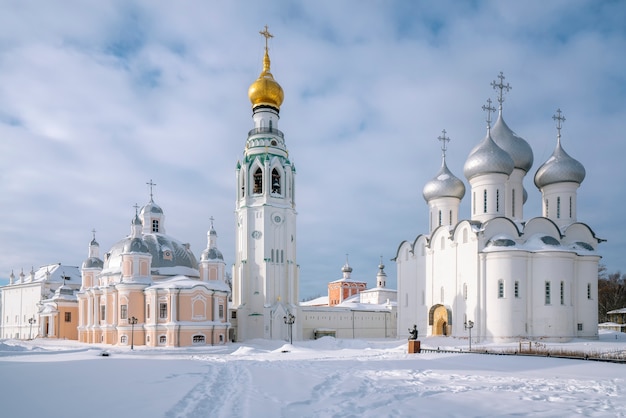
[324, 378]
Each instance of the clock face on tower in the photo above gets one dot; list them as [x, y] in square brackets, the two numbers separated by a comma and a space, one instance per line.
[256, 234]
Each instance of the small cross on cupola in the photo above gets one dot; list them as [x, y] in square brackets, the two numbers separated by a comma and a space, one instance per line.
[502, 87]
[489, 109]
[559, 120]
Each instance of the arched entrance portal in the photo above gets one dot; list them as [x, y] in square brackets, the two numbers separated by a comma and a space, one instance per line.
[440, 320]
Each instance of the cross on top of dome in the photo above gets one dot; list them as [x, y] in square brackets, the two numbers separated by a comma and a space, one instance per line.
[502, 87]
[489, 109]
[559, 119]
[443, 138]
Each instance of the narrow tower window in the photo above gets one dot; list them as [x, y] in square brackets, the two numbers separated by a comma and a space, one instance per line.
[498, 200]
[258, 181]
[500, 289]
[547, 293]
[558, 207]
[547, 213]
[275, 181]
[439, 218]
[155, 225]
[450, 217]
[485, 201]
[516, 289]
[562, 293]
[513, 203]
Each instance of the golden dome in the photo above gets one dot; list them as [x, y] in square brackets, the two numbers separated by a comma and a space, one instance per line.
[265, 90]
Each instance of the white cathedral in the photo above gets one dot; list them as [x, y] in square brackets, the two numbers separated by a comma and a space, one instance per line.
[496, 274]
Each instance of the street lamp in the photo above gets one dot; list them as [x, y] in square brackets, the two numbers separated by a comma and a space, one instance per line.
[31, 321]
[289, 320]
[132, 321]
[469, 325]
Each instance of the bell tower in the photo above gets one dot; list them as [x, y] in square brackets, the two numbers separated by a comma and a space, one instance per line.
[265, 274]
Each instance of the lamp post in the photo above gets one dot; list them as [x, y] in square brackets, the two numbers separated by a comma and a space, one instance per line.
[132, 321]
[469, 325]
[31, 321]
[289, 320]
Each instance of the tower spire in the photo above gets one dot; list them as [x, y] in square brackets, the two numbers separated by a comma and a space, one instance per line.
[502, 87]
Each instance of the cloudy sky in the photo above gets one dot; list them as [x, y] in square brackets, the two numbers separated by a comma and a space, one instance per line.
[98, 98]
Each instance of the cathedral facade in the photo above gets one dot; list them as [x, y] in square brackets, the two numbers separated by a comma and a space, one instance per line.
[497, 276]
[150, 289]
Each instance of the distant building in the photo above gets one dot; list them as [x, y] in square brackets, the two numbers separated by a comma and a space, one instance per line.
[41, 304]
[616, 322]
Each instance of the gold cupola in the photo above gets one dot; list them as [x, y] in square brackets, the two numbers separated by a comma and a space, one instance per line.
[265, 91]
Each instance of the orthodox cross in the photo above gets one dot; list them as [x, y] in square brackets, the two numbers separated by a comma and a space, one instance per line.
[443, 138]
[136, 206]
[93, 231]
[559, 119]
[502, 87]
[211, 219]
[489, 109]
[151, 184]
[267, 35]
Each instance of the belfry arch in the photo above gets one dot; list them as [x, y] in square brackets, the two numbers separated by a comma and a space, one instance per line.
[440, 320]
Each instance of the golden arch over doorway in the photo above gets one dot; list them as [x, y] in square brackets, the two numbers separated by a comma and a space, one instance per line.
[440, 320]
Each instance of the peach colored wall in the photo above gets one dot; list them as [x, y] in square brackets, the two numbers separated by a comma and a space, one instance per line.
[68, 330]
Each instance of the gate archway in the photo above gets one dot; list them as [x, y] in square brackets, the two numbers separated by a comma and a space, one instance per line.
[440, 320]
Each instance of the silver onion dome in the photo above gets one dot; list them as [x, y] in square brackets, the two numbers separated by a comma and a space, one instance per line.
[444, 184]
[93, 262]
[559, 168]
[211, 254]
[516, 146]
[487, 157]
[165, 251]
[151, 207]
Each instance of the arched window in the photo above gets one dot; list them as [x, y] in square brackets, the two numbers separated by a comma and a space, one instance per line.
[243, 185]
[123, 339]
[199, 339]
[276, 182]
[155, 225]
[258, 181]
[162, 339]
[570, 206]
